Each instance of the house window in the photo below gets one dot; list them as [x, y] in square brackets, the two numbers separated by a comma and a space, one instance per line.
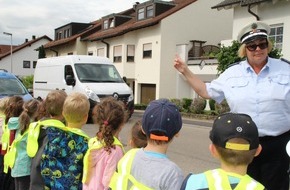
[26, 64]
[90, 53]
[149, 11]
[70, 53]
[106, 24]
[101, 52]
[147, 50]
[276, 34]
[141, 14]
[117, 53]
[59, 35]
[112, 23]
[34, 64]
[130, 53]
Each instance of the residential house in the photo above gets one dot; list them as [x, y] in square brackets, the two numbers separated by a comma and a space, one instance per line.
[24, 57]
[143, 41]
[273, 12]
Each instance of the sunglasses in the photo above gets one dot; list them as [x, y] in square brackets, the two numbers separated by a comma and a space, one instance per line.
[253, 47]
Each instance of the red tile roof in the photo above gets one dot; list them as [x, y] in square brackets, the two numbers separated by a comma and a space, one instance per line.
[126, 27]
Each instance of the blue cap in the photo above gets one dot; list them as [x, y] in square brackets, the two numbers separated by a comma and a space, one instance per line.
[161, 120]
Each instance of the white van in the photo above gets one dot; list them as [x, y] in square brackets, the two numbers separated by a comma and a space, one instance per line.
[94, 76]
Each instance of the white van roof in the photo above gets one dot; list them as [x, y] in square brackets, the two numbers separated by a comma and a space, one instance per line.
[81, 59]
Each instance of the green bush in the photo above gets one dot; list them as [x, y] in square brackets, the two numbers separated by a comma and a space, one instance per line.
[28, 81]
[186, 102]
[140, 106]
[223, 107]
[211, 104]
[177, 102]
[198, 105]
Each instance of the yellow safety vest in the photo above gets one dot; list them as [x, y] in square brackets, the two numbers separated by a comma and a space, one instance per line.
[34, 130]
[218, 179]
[95, 144]
[5, 136]
[122, 178]
[10, 156]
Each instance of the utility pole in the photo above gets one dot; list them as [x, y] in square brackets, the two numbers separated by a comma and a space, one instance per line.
[10, 34]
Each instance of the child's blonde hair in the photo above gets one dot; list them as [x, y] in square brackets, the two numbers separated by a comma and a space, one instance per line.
[3, 104]
[110, 116]
[76, 106]
[29, 113]
[54, 102]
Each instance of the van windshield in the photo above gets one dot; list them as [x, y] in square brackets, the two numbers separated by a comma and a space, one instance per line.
[11, 86]
[97, 73]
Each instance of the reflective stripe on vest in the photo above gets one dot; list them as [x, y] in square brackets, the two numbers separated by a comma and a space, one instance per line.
[95, 144]
[218, 180]
[34, 130]
[10, 156]
[122, 178]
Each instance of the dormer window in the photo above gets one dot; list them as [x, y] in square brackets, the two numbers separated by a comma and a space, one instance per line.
[106, 24]
[149, 11]
[141, 14]
[109, 23]
[112, 23]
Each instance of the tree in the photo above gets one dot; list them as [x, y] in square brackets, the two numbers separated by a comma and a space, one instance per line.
[229, 55]
[41, 52]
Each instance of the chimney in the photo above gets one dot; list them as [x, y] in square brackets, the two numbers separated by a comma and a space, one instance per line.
[26, 40]
[33, 37]
[135, 5]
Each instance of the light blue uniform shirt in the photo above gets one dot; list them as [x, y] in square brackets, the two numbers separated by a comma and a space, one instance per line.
[265, 97]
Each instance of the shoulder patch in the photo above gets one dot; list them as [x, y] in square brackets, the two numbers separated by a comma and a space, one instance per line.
[236, 63]
[285, 60]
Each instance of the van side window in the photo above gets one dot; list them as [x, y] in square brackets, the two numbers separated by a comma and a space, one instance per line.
[68, 71]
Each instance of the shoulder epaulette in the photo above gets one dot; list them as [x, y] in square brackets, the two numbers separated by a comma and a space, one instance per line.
[236, 63]
[285, 60]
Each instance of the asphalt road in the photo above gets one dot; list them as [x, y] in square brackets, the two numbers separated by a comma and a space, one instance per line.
[189, 151]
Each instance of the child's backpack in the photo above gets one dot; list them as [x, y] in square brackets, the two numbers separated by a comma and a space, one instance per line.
[62, 158]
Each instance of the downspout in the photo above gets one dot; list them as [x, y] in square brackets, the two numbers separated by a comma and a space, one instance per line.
[108, 47]
[252, 13]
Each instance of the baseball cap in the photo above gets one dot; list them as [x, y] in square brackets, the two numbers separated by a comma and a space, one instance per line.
[253, 31]
[234, 125]
[161, 120]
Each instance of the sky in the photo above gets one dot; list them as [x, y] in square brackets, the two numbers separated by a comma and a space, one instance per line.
[25, 18]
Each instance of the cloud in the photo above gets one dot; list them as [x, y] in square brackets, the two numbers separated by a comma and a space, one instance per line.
[34, 17]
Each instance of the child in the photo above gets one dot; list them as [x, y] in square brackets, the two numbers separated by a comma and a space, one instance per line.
[3, 105]
[12, 112]
[105, 150]
[62, 159]
[138, 138]
[50, 109]
[20, 162]
[235, 142]
[149, 167]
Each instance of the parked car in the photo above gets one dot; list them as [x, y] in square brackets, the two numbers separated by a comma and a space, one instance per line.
[10, 85]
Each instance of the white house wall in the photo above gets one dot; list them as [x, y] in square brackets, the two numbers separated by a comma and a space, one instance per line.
[27, 53]
[277, 13]
[203, 24]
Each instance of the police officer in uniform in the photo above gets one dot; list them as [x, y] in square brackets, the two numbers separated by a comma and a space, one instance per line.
[260, 87]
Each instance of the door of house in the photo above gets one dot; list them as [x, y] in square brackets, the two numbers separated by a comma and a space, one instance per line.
[148, 93]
